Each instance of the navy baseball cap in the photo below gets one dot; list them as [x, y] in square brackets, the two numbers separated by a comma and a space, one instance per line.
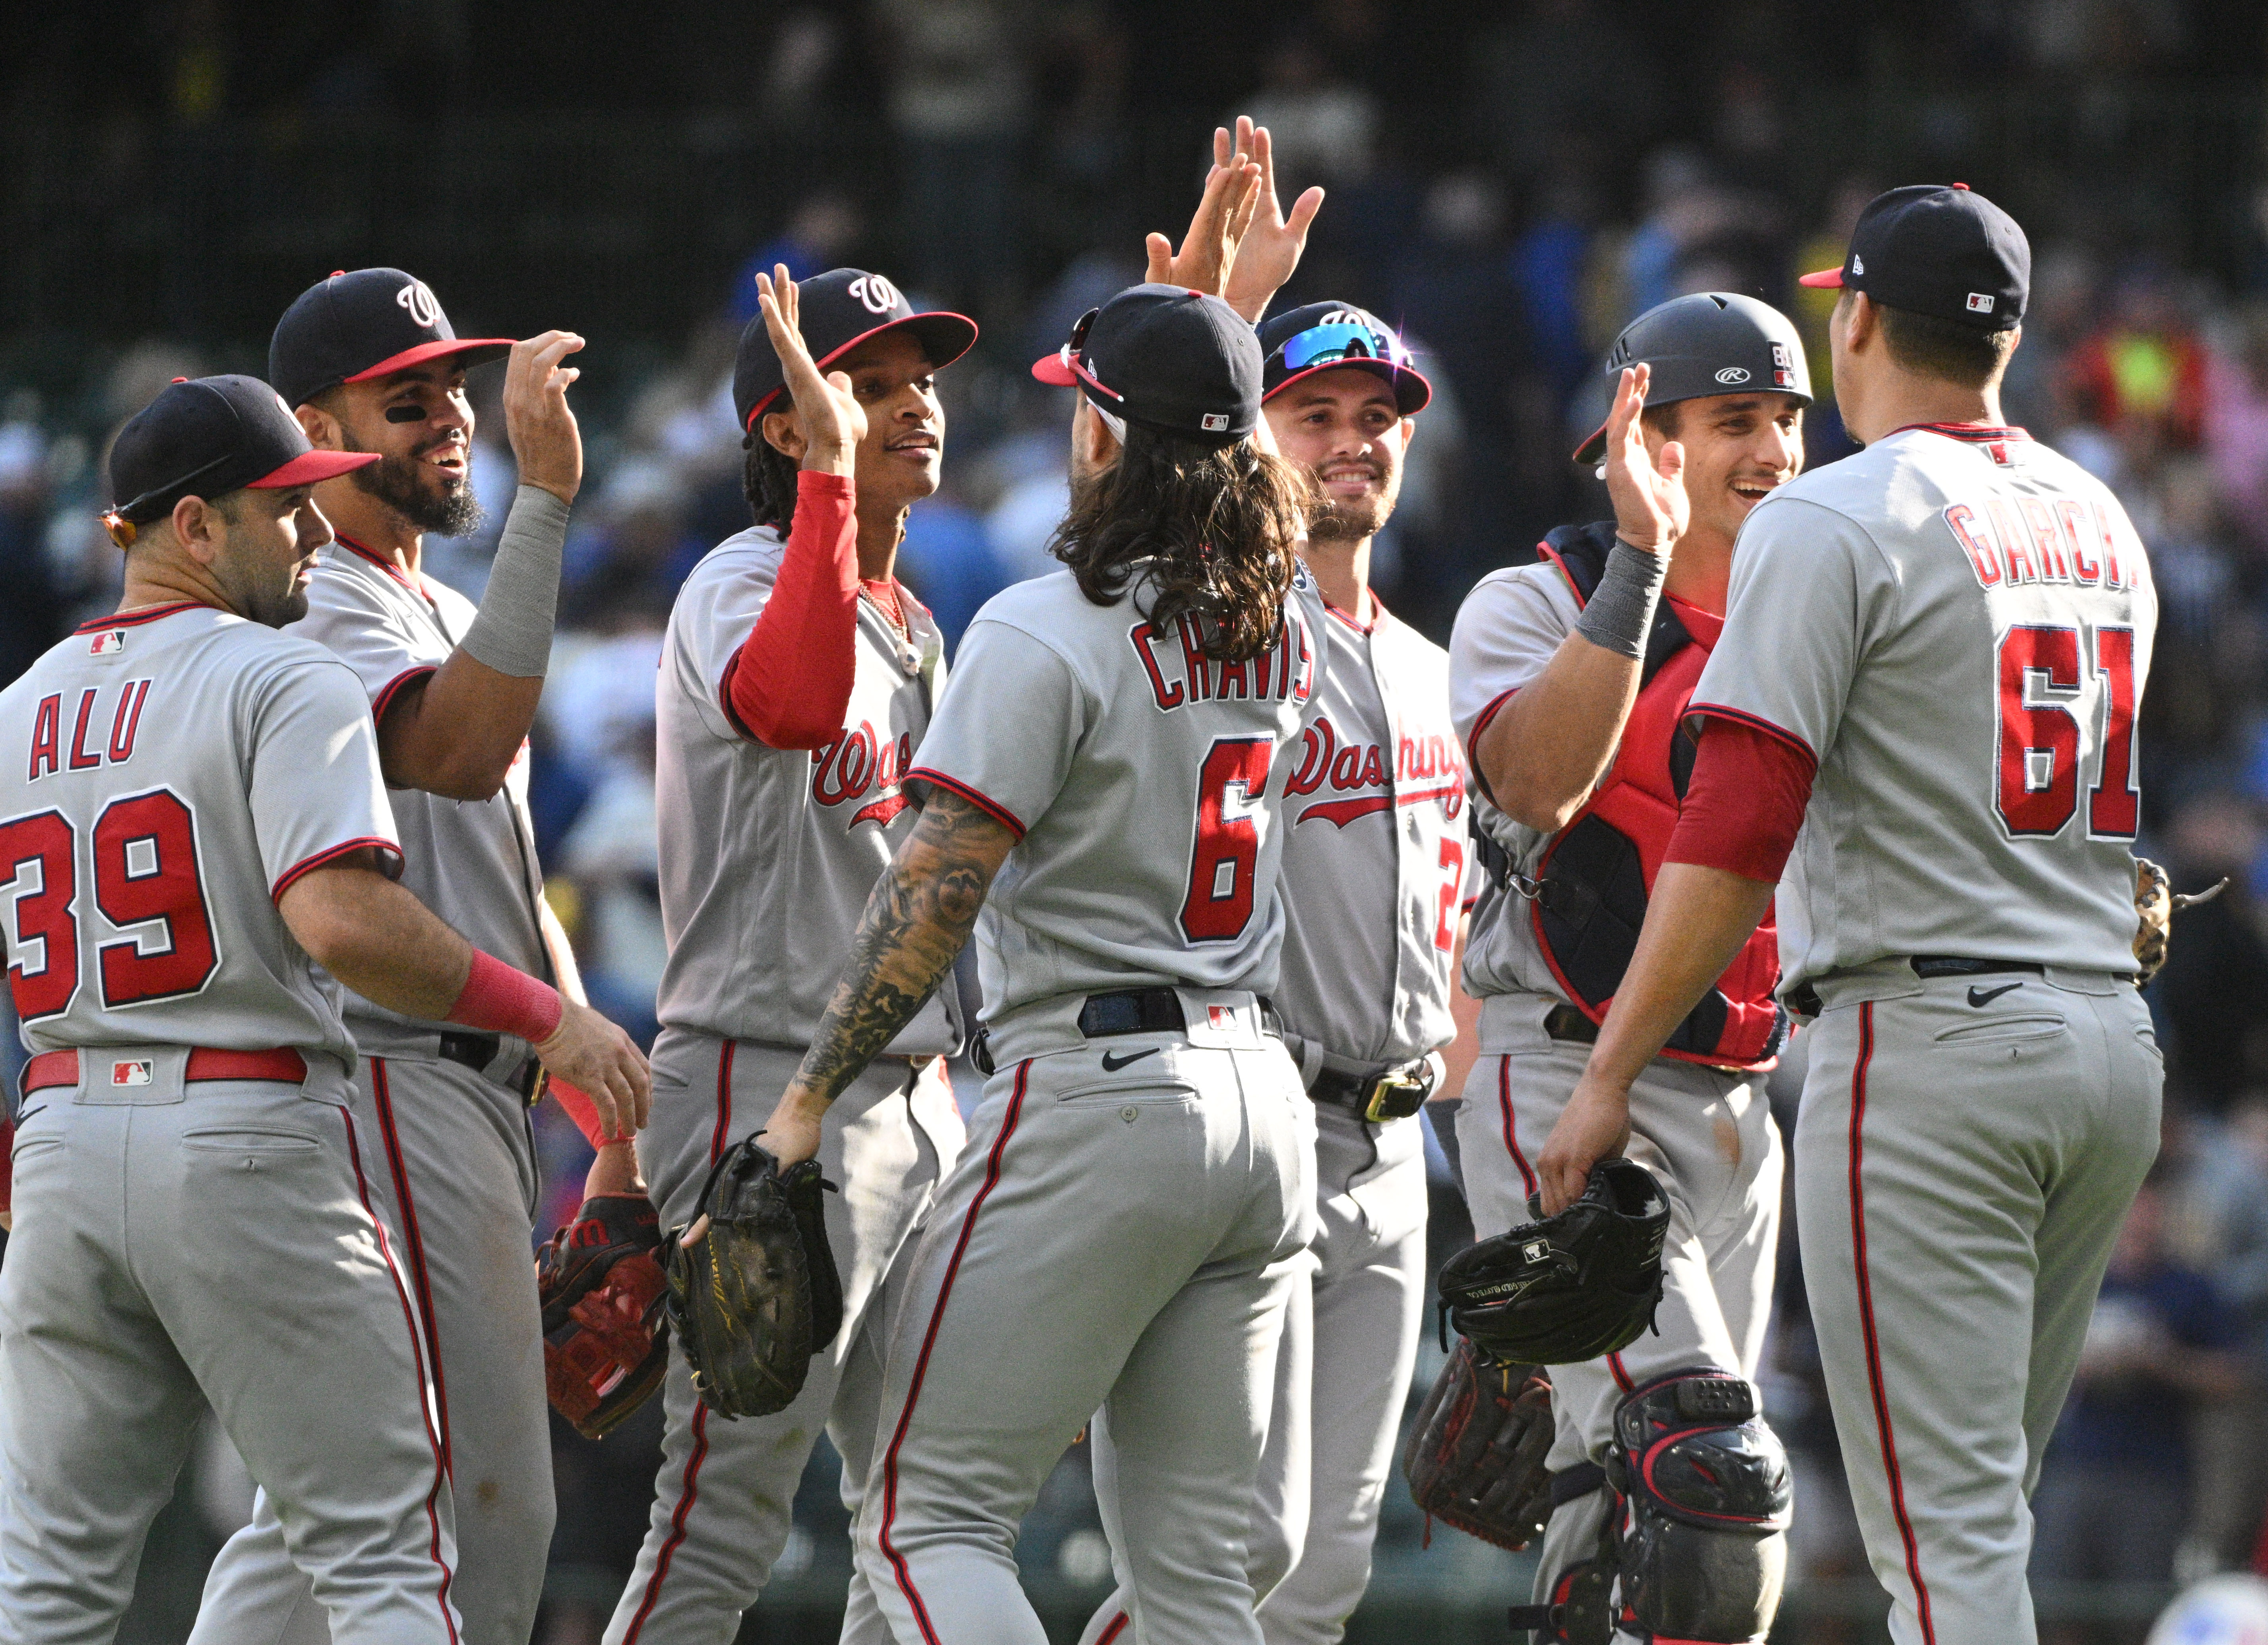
[353, 327]
[1175, 361]
[207, 436]
[1326, 336]
[837, 310]
[1935, 250]
[1705, 344]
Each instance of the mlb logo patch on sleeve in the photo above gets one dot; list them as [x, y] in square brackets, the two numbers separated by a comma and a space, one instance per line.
[108, 643]
[138, 1071]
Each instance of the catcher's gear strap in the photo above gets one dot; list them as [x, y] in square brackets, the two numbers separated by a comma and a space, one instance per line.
[1572, 1287]
[1703, 1548]
[1579, 1481]
[605, 1344]
[1476, 1454]
[1583, 1606]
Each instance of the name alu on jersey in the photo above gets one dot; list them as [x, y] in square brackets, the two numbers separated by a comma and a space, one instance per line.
[2013, 540]
[47, 751]
[1425, 768]
[858, 762]
[1181, 673]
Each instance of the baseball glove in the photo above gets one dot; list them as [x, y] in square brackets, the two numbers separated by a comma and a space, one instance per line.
[605, 1346]
[1474, 1459]
[2153, 915]
[757, 1295]
[1569, 1288]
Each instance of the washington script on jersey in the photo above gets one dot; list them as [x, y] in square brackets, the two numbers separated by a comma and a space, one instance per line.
[1182, 673]
[860, 761]
[1425, 768]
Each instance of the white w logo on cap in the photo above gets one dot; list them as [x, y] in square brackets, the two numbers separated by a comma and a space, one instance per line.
[420, 303]
[878, 294]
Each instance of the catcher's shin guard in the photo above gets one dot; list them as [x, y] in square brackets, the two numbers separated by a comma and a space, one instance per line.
[1581, 1610]
[1704, 1546]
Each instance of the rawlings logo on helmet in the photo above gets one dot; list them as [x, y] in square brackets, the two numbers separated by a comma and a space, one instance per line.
[1734, 374]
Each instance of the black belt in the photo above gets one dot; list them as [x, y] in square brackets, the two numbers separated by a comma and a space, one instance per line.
[476, 1051]
[1394, 1093]
[1564, 1022]
[1125, 1011]
[1929, 965]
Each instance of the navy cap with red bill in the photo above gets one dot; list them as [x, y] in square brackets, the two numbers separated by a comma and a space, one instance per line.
[1931, 249]
[1333, 337]
[370, 323]
[1166, 358]
[206, 437]
[836, 312]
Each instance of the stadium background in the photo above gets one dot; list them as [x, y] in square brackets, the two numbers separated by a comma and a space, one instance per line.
[1508, 182]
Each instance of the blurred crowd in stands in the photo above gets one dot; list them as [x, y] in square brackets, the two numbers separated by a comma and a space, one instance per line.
[1509, 184]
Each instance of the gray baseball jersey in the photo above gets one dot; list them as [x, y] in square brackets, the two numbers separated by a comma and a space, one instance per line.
[471, 861]
[1956, 623]
[1375, 858]
[1507, 630]
[176, 768]
[1066, 720]
[767, 854]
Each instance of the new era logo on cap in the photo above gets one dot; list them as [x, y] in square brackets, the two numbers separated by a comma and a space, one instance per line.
[139, 1072]
[1858, 265]
[1980, 302]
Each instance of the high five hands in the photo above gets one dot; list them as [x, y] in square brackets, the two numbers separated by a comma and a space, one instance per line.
[1651, 508]
[1240, 245]
[833, 420]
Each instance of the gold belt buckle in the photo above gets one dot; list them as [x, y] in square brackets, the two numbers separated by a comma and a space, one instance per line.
[1395, 1096]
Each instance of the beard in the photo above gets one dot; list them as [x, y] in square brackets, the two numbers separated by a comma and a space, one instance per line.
[399, 481]
[1350, 519]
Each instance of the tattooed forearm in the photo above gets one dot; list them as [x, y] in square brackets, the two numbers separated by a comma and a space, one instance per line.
[919, 914]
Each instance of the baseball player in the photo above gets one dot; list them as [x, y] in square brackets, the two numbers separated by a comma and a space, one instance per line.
[371, 364]
[1932, 659]
[194, 820]
[1371, 883]
[1571, 677]
[795, 681]
[1124, 1228]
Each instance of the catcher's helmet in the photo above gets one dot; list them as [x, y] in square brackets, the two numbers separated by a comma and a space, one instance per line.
[1710, 343]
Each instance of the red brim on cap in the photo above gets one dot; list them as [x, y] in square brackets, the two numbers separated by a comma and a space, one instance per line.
[489, 348]
[310, 467]
[930, 334]
[1055, 372]
[1824, 276]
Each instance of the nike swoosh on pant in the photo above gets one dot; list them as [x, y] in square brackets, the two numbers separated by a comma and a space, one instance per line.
[1112, 1064]
[1986, 996]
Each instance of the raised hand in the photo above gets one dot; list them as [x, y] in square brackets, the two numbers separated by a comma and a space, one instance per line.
[1270, 250]
[833, 420]
[1651, 508]
[1207, 256]
[545, 440]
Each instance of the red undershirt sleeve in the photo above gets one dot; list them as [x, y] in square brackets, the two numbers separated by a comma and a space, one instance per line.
[789, 684]
[1744, 804]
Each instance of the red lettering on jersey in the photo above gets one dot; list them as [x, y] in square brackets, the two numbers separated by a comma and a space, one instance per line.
[1304, 684]
[1194, 666]
[1315, 758]
[881, 812]
[1261, 667]
[2054, 567]
[847, 765]
[1169, 697]
[47, 738]
[1339, 813]
[128, 721]
[82, 757]
[2115, 572]
[1346, 770]
[1374, 769]
[2015, 543]
[2071, 519]
[1984, 559]
[1233, 671]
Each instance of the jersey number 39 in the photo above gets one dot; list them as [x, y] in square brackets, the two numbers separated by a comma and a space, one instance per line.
[2039, 774]
[147, 874]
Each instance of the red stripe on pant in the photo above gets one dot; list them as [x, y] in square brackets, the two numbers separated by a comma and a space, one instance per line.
[417, 1358]
[1866, 1321]
[1511, 1142]
[398, 1168]
[928, 1341]
[690, 1491]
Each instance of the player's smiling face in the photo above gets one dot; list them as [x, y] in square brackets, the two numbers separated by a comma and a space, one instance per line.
[903, 457]
[1739, 448]
[263, 563]
[1344, 427]
[421, 426]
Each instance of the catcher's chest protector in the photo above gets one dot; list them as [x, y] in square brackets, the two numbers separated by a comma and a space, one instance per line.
[1598, 871]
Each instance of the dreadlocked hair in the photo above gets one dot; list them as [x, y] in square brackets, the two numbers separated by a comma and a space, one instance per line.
[1213, 531]
[768, 481]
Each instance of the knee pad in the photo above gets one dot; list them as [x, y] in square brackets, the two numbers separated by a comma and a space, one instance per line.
[1703, 1546]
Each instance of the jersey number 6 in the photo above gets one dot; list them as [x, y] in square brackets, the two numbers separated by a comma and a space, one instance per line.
[1224, 858]
[145, 873]
[2040, 736]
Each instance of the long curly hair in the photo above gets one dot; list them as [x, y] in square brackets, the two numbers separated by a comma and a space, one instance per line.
[1214, 532]
[768, 481]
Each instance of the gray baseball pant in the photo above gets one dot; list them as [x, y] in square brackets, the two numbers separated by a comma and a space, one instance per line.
[178, 1246]
[725, 1493]
[454, 1181]
[1122, 1238]
[1351, 1332]
[1965, 1153]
